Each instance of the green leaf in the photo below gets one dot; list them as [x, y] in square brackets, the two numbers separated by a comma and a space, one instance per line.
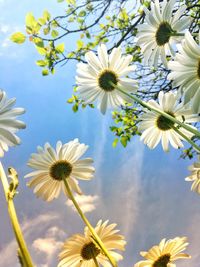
[123, 141]
[46, 15]
[60, 48]
[18, 38]
[53, 71]
[32, 26]
[54, 33]
[54, 24]
[46, 30]
[60, 1]
[75, 108]
[71, 2]
[39, 42]
[88, 35]
[45, 72]
[41, 50]
[70, 100]
[41, 21]
[79, 44]
[41, 63]
[114, 144]
[82, 13]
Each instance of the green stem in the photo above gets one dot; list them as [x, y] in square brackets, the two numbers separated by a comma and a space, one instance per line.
[187, 139]
[181, 34]
[82, 215]
[166, 115]
[14, 220]
[95, 261]
[176, 34]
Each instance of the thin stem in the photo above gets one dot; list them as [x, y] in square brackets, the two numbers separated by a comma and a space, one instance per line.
[182, 34]
[166, 115]
[176, 34]
[82, 215]
[14, 220]
[187, 139]
[95, 260]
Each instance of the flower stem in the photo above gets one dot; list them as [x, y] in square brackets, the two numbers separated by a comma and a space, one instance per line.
[92, 230]
[187, 139]
[166, 115]
[181, 34]
[14, 220]
[95, 261]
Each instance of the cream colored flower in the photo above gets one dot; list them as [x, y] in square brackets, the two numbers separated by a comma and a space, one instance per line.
[54, 165]
[195, 176]
[164, 254]
[186, 71]
[157, 128]
[94, 78]
[8, 123]
[79, 250]
[154, 36]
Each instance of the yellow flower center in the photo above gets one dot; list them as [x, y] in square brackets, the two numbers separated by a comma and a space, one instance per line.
[60, 169]
[162, 261]
[163, 33]
[105, 80]
[89, 251]
[164, 123]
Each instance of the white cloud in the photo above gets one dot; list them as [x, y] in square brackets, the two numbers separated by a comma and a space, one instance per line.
[128, 188]
[7, 254]
[47, 248]
[4, 28]
[87, 203]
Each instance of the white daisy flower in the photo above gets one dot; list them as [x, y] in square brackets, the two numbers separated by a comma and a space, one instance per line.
[164, 254]
[154, 35]
[94, 78]
[186, 70]
[157, 128]
[195, 176]
[52, 164]
[8, 123]
[80, 250]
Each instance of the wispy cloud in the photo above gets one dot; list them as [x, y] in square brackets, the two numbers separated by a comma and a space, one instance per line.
[31, 229]
[130, 185]
[47, 248]
[87, 203]
[6, 30]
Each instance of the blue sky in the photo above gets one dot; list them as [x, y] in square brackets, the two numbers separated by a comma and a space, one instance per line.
[143, 191]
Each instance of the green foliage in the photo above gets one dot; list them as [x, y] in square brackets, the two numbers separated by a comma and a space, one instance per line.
[32, 25]
[60, 48]
[71, 2]
[126, 125]
[45, 72]
[18, 38]
[95, 22]
[76, 103]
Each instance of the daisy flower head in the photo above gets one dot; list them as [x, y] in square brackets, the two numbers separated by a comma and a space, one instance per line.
[164, 254]
[80, 250]
[53, 165]
[9, 125]
[186, 71]
[156, 127]
[195, 176]
[155, 36]
[97, 79]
